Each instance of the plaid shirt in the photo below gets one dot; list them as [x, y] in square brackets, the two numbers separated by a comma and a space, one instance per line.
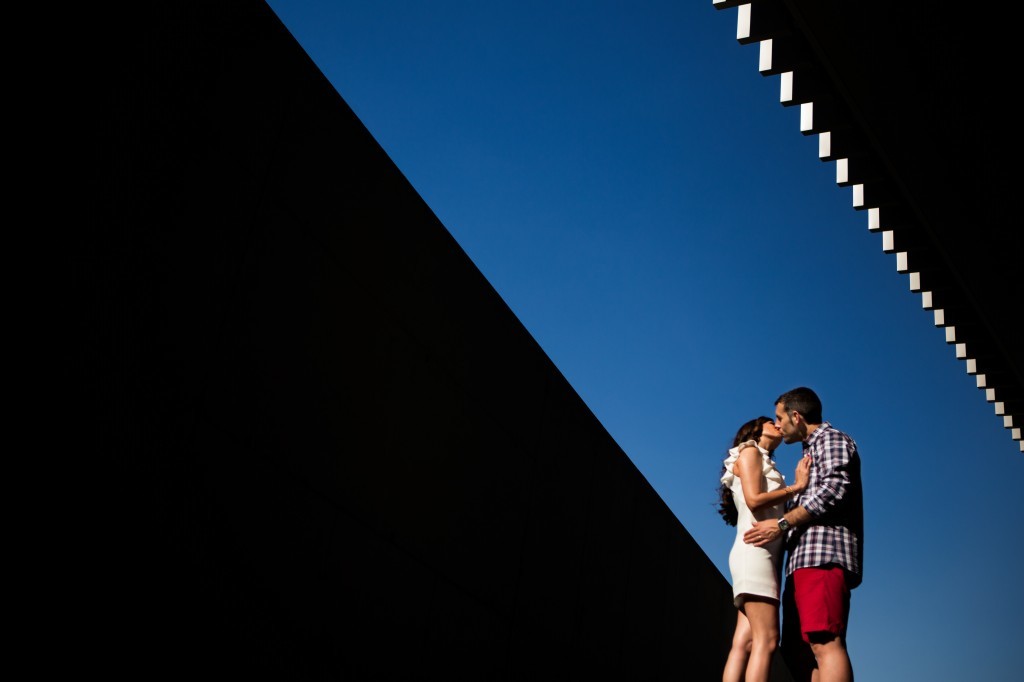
[834, 499]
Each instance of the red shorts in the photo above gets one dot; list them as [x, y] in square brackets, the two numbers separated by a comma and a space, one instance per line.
[817, 600]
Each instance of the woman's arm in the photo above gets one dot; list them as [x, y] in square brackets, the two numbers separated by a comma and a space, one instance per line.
[748, 466]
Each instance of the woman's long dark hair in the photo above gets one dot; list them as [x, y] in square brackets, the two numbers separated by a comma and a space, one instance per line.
[749, 431]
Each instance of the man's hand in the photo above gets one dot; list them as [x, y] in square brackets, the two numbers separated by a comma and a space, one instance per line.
[762, 533]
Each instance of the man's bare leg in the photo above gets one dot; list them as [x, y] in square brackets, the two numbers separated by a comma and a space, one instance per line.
[833, 661]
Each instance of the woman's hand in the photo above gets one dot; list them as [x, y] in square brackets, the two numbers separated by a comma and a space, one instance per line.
[803, 473]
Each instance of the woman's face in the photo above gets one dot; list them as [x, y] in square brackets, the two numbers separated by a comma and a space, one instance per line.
[771, 433]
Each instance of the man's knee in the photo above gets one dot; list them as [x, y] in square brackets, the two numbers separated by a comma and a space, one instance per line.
[824, 643]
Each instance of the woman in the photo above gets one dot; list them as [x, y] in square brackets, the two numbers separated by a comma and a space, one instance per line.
[753, 490]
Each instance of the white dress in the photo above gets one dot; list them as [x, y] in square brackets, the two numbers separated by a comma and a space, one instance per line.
[755, 570]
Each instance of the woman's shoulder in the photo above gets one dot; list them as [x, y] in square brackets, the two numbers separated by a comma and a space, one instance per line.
[748, 445]
[734, 452]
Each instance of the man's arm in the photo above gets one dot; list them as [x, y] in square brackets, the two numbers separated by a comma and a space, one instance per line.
[837, 450]
[830, 488]
[768, 530]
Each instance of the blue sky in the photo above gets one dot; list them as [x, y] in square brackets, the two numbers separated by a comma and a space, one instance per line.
[632, 188]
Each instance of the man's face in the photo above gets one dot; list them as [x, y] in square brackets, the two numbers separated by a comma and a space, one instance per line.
[789, 424]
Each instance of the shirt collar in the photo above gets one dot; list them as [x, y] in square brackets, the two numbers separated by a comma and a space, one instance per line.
[816, 434]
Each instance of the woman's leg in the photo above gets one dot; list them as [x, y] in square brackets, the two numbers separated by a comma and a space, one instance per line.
[736, 664]
[763, 616]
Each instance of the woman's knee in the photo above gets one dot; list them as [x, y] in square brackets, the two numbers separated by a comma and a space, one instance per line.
[767, 641]
[742, 645]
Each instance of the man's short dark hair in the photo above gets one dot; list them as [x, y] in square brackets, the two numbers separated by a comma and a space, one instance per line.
[802, 400]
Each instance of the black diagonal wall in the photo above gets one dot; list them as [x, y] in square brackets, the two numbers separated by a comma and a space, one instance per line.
[330, 451]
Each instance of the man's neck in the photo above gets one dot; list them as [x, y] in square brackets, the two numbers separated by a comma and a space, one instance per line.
[811, 428]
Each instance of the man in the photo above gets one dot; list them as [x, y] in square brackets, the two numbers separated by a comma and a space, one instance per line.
[824, 529]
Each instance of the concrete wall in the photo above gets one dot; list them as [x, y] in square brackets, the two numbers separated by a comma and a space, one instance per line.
[333, 452]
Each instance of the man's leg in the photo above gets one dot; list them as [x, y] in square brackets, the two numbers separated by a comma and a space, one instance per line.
[823, 600]
[795, 651]
[833, 660]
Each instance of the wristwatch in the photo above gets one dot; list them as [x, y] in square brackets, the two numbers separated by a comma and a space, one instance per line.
[784, 525]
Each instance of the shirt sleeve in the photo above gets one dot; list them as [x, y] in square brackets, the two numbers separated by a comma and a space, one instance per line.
[833, 480]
